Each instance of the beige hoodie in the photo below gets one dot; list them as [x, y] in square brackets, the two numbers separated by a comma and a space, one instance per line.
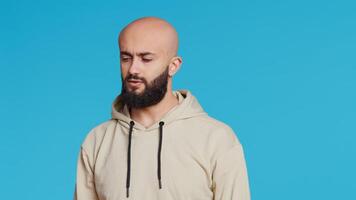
[188, 156]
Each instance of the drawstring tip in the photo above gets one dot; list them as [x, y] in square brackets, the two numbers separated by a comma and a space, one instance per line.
[160, 184]
[127, 192]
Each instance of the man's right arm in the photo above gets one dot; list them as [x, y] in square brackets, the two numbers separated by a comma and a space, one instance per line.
[84, 186]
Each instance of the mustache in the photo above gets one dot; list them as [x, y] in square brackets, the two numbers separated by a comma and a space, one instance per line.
[134, 77]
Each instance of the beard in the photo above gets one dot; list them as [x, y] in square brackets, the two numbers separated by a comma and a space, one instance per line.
[152, 94]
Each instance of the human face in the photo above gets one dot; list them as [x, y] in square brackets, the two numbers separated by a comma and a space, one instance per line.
[139, 89]
[140, 69]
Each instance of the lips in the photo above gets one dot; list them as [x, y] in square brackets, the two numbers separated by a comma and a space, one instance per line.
[134, 83]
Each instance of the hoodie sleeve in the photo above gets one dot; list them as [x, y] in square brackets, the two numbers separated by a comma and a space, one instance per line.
[230, 179]
[84, 186]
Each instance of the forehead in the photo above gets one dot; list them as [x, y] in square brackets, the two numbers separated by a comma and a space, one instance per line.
[142, 40]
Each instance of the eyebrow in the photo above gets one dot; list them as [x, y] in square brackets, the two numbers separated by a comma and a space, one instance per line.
[141, 54]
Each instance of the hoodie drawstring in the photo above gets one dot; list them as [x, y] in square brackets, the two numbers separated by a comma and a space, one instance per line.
[132, 123]
[159, 154]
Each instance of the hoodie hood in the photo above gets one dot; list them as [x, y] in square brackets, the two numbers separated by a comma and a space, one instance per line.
[187, 107]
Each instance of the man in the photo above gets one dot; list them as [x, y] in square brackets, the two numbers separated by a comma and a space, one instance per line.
[159, 144]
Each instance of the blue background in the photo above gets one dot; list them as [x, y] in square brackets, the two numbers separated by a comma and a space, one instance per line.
[281, 73]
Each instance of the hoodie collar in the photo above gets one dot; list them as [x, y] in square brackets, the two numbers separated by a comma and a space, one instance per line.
[187, 107]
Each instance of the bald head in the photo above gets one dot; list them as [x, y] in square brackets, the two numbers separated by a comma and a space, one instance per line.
[149, 34]
[148, 59]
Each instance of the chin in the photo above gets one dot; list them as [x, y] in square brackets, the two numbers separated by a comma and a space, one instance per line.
[136, 91]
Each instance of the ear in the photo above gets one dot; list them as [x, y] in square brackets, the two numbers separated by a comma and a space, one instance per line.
[174, 65]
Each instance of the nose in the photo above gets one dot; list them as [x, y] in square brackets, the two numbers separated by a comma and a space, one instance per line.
[134, 67]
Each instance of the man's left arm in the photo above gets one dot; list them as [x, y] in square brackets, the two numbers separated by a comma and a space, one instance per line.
[230, 179]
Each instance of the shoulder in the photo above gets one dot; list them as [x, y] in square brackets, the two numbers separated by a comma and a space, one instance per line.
[95, 136]
[218, 130]
[220, 136]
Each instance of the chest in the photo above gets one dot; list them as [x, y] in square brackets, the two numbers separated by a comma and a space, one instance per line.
[185, 172]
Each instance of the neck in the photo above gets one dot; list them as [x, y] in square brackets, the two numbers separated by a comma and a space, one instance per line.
[149, 115]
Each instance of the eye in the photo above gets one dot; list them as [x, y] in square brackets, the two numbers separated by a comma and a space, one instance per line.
[146, 60]
[125, 58]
